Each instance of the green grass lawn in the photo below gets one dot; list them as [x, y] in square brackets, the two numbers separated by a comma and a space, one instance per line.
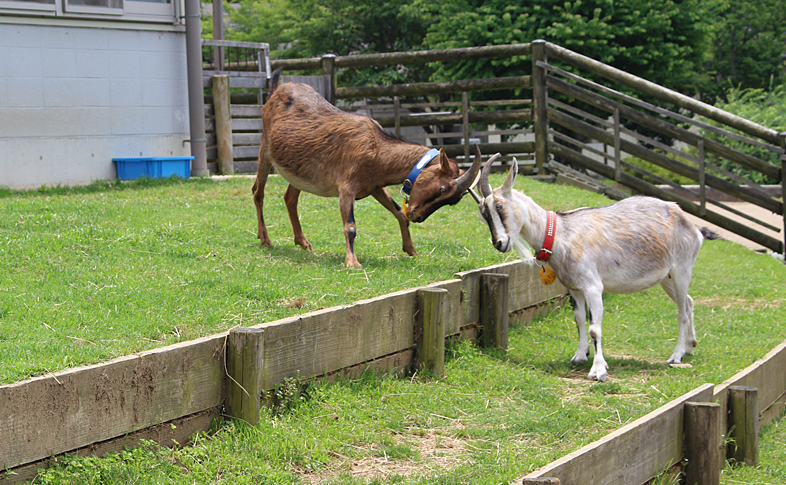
[95, 273]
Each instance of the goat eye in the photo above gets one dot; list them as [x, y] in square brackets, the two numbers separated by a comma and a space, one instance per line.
[499, 207]
[442, 189]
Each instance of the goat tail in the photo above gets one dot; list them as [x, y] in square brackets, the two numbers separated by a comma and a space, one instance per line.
[709, 234]
[274, 80]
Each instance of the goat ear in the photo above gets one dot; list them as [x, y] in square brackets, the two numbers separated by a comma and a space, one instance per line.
[444, 162]
[507, 186]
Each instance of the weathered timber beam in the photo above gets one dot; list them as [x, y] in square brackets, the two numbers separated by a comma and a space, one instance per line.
[661, 160]
[234, 43]
[487, 117]
[649, 189]
[664, 94]
[664, 127]
[489, 148]
[418, 89]
[439, 55]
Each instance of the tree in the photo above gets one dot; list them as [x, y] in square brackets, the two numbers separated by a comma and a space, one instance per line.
[748, 45]
[309, 28]
[659, 40]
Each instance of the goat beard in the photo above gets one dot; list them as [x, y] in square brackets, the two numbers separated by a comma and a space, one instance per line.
[525, 250]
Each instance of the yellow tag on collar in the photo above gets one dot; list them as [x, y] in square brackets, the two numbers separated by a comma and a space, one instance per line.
[547, 276]
[404, 204]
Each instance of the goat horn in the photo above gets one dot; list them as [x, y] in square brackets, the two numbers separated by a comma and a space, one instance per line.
[485, 186]
[467, 179]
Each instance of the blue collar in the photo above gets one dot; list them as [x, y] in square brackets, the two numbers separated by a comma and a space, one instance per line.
[429, 156]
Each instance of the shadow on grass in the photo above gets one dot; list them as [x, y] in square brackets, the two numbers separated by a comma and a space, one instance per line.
[619, 367]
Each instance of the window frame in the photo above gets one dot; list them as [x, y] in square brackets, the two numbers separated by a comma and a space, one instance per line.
[18, 6]
[130, 11]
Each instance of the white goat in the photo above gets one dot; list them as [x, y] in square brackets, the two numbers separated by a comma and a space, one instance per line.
[625, 247]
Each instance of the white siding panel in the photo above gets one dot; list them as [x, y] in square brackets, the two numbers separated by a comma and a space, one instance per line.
[73, 98]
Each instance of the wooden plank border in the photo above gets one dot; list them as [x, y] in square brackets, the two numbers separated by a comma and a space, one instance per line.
[768, 375]
[634, 453]
[75, 408]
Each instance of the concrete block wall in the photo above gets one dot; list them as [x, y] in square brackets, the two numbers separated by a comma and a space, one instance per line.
[73, 98]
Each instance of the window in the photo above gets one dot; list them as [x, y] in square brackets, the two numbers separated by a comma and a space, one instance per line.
[131, 10]
[103, 7]
[45, 5]
[149, 8]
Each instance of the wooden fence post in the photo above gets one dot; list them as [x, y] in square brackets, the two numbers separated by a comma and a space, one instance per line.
[702, 443]
[494, 317]
[431, 328]
[226, 161]
[540, 108]
[329, 71]
[744, 425]
[244, 373]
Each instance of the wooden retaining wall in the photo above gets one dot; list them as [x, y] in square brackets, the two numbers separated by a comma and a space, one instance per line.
[105, 407]
[645, 448]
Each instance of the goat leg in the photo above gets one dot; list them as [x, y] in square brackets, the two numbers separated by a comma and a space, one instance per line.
[595, 307]
[388, 203]
[676, 286]
[346, 203]
[258, 194]
[580, 315]
[290, 199]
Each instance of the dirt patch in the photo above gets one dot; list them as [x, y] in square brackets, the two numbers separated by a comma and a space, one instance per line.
[727, 302]
[436, 450]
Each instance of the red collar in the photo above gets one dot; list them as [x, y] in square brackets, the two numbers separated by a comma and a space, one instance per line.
[548, 242]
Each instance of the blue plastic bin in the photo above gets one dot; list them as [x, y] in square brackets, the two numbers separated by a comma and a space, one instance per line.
[153, 167]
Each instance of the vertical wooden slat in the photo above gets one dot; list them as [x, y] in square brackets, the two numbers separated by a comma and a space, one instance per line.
[430, 326]
[397, 115]
[223, 120]
[244, 359]
[743, 425]
[329, 71]
[540, 109]
[617, 157]
[783, 186]
[702, 443]
[465, 122]
[702, 181]
[494, 315]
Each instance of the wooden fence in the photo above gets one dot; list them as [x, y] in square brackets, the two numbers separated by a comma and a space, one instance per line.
[104, 407]
[563, 112]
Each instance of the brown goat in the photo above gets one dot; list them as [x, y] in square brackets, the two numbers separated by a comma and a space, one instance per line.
[320, 149]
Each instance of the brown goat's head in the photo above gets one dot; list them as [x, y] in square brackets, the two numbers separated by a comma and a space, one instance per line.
[440, 183]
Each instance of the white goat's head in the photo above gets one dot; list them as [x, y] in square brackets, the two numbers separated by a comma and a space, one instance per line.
[503, 214]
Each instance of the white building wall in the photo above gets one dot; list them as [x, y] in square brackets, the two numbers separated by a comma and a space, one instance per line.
[73, 98]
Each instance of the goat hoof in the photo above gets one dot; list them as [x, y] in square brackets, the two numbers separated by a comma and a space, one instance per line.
[579, 358]
[599, 375]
